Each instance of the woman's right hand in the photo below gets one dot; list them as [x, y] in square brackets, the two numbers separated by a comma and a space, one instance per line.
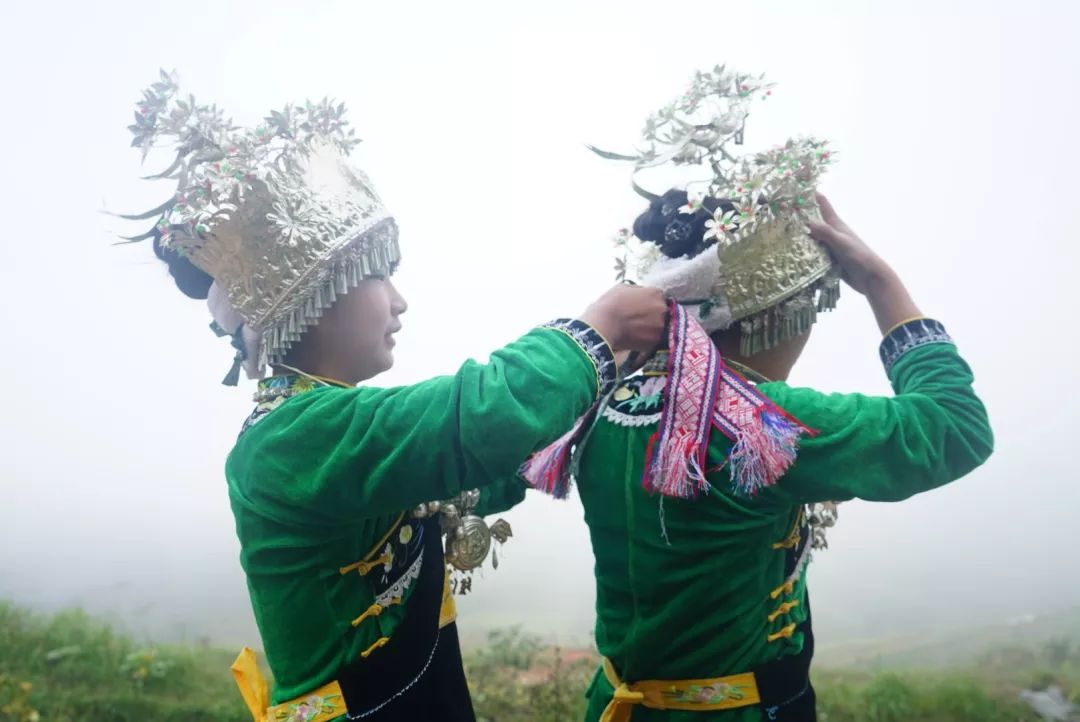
[864, 270]
[631, 318]
[861, 267]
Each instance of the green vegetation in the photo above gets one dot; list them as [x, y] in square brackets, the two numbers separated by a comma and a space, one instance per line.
[72, 668]
[516, 678]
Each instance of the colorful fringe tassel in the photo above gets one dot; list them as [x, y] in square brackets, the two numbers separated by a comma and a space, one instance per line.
[548, 470]
[675, 461]
[763, 451]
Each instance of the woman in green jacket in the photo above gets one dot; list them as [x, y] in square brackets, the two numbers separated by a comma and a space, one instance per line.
[707, 479]
[336, 487]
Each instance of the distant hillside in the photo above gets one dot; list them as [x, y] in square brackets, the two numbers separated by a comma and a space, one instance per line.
[953, 648]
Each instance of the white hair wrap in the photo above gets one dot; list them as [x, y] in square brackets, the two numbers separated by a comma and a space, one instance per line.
[693, 283]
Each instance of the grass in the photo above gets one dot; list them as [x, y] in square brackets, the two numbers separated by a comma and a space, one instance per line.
[73, 668]
[954, 696]
[516, 678]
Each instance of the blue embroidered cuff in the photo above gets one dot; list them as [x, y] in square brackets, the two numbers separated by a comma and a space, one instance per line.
[908, 336]
[595, 347]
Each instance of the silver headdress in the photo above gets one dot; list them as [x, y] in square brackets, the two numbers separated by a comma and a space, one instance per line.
[762, 269]
[274, 214]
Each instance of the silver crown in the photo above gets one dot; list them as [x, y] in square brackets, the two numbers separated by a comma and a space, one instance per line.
[771, 276]
[275, 214]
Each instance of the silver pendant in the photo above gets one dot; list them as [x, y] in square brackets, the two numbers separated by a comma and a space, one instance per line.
[467, 537]
[821, 516]
[468, 544]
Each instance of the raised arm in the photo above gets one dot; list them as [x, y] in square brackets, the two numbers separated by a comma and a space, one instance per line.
[932, 431]
[346, 454]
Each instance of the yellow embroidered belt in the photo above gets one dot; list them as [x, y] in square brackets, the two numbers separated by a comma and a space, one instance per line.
[697, 695]
[325, 703]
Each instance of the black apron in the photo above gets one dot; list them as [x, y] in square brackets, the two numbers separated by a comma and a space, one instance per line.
[417, 675]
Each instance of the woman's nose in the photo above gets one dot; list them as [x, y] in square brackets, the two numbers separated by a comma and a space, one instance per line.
[398, 304]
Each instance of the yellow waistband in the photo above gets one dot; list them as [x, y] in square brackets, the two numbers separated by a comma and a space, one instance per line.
[697, 695]
[325, 703]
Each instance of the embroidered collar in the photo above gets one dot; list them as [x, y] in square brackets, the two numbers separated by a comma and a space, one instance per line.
[275, 391]
[657, 366]
[284, 387]
[748, 373]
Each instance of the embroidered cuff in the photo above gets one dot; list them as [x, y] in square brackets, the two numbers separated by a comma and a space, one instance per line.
[595, 347]
[911, 335]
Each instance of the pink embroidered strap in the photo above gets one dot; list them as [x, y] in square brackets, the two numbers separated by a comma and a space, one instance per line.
[675, 460]
[701, 392]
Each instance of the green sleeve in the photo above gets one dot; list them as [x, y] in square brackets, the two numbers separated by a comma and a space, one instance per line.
[336, 456]
[933, 431]
[501, 496]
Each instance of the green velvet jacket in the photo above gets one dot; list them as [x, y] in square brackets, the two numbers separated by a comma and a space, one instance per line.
[707, 597]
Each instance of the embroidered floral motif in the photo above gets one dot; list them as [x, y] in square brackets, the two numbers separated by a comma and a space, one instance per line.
[636, 403]
[639, 395]
[401, 549]
[398, 563]
[395, 570]
[273, 392]
[644, 403]
[311, 708]
[706, 694]
[284, 387]
[397, 589]
[260, 412]
[653, 386]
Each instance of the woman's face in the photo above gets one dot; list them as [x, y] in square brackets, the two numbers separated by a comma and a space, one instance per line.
[355, 337]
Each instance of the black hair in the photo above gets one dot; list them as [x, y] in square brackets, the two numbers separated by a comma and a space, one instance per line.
[678, 234]
[192, 281]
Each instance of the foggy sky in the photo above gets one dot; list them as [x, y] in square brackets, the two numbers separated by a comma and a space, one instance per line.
[953, 124]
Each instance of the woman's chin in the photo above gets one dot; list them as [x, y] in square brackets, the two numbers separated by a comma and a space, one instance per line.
[375, 365]
[385, 361]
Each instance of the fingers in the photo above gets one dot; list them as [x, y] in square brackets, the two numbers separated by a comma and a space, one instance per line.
[829, 214]
[633, 363]
[631, 318]
[825, 234]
